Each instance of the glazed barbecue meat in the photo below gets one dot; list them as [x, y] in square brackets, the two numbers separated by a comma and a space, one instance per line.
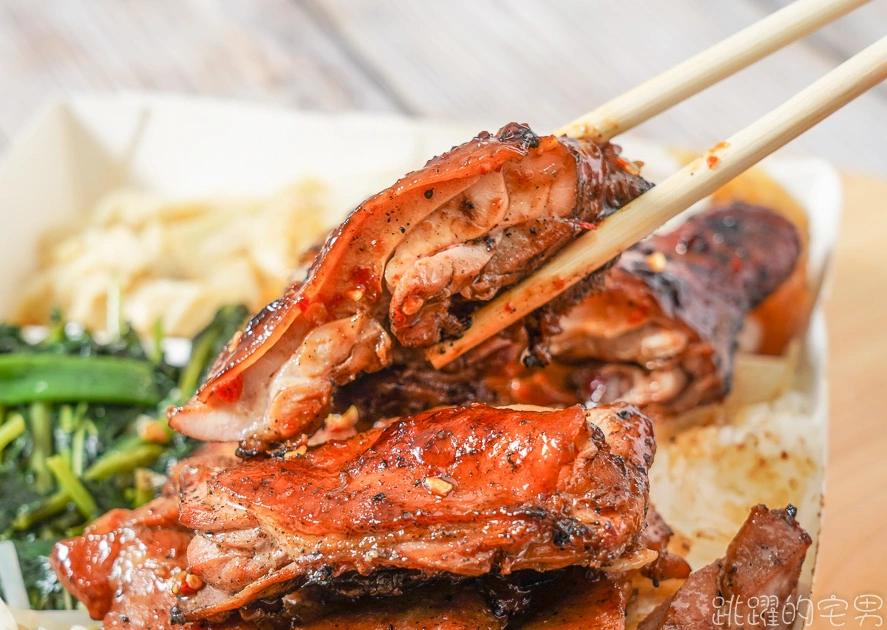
[761, 569]
[407, 268]
[127, 564]
[659, 332]
[662, 331]
[461, 491]
[124, 565]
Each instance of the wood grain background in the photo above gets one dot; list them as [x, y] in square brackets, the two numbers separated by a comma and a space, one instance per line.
[539, 62]
[478, 60]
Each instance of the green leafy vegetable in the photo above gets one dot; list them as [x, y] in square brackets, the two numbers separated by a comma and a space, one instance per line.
[44, 590]
[41, 433]
[28, 378]
[123, 460]
[70, 484]
[207, 345]
[11, 428]
[83, 430]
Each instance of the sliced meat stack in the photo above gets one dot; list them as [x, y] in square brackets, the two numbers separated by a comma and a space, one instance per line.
[455, 501]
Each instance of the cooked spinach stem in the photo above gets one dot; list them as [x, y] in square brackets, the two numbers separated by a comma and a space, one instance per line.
[200, 356]
[26, 378]
[41, 432]
[144, 487]
[56, 329]
[67, 422]
[78, 453]
[77, 530]
[135, 454]
[80, 411]
[11, 428]
[51, 506]
[157, 336]
[69, 482]
[124, 459]
[207, 344]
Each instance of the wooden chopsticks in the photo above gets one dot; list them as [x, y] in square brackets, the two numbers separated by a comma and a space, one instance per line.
[703, 70]
[698, 179]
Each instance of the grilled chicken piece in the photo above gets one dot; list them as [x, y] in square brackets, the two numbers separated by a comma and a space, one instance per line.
[762, 565]
[659, 332]
[662, 332]
[128, 563]
[407, 268]
[462, 491]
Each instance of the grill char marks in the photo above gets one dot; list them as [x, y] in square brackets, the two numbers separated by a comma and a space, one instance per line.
[569, 599]
[662, 332]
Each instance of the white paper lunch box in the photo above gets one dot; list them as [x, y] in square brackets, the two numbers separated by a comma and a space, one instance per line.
[78, 148]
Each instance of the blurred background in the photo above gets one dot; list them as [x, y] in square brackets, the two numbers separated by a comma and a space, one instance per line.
[489, 62]
[475, 60]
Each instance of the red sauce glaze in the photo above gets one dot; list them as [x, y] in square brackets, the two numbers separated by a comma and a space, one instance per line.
[230, 389]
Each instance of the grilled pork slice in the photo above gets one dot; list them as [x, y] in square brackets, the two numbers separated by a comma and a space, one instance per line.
[461, 491]
[659, 332]
[407, 268]
[127, 565]
[749, 587]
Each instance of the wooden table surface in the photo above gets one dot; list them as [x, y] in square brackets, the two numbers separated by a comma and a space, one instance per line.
[853, 551]
[539, 62]
[487, 60]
